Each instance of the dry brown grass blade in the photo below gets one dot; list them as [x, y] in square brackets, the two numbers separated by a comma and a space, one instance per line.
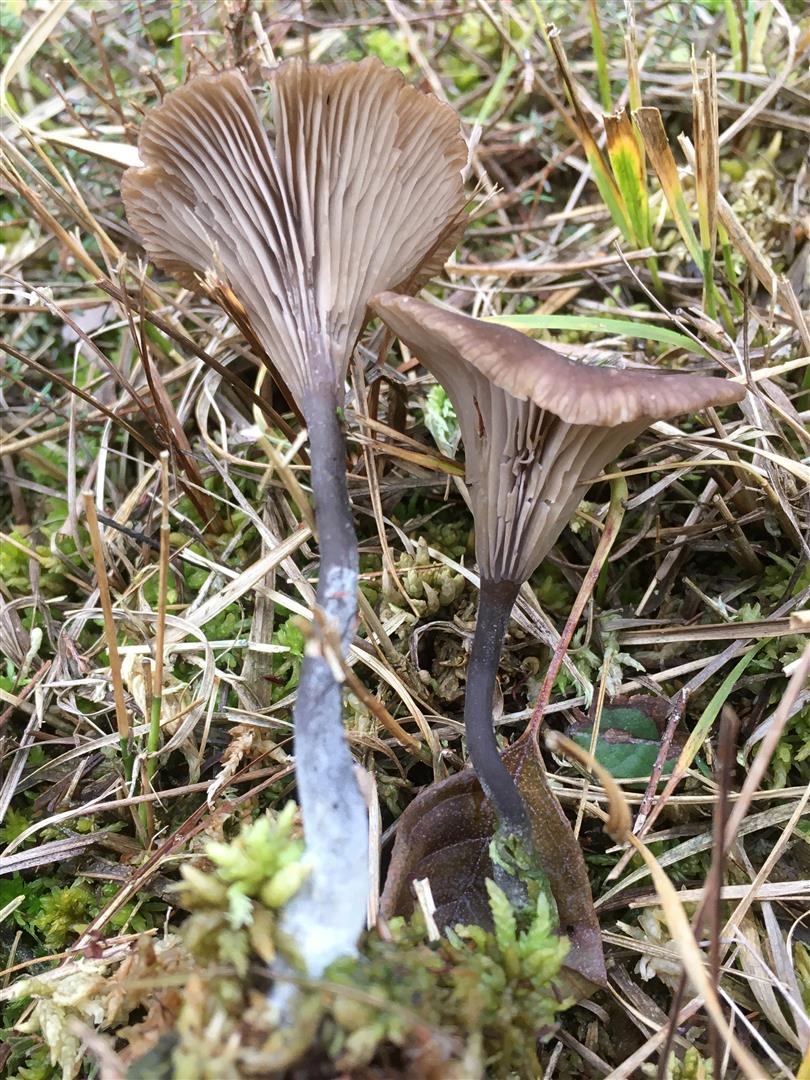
[53, 851]
[756, 771]
[375, 707]
[707, 169]
[610, 531]
[692, 959]
[773, 86]
[618, 826]
[757, 628]
[172, 429]
[97, 543]
[28, 45]
[373, 483]
[46, 218]
[552, 268]
[186, 342]
[242, 583]
[778, 287]
[651, 126]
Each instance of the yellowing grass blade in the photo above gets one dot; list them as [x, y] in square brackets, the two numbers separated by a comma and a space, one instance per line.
[707, 169]
[608, 189]
[628, 169]
[651, 126]
[707, 151]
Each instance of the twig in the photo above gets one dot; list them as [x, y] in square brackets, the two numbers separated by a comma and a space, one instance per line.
[121, 715]
[613, 521]
[160, 625]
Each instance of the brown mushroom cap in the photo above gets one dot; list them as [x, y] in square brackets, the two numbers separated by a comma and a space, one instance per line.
[576, 393]
[358, 190]
[537, 428]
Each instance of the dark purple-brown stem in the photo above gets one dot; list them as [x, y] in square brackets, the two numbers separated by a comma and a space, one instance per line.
[495, 603]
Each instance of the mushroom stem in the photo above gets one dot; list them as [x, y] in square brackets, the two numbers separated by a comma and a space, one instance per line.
[326, 917]
[495, 602]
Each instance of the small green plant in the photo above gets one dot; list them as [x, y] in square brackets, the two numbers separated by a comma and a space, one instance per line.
[441, 420]
[64, 913]
[392, 49]
[471, 1004]
[693, 1066]
[253, 877]
[494, 990]
[473, 1001]
[287, 666]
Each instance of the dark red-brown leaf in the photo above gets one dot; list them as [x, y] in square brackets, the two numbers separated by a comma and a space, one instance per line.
[444, 835]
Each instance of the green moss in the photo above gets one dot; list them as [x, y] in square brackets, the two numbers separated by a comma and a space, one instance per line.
[389, 47]
[15, 823]
[490, 992]
[287, 665]
[252, 877]
[27, 1061]
[429, 584]
[693, 1066]
[64, 913]
[790, 764]
[471, 1004]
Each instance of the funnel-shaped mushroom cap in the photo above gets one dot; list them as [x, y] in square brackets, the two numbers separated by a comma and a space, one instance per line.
[537, 427]
[358, 189]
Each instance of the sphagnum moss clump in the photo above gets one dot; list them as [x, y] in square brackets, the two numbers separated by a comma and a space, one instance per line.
[470, 1005]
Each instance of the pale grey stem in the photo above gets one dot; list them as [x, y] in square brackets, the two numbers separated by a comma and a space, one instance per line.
[326, 918]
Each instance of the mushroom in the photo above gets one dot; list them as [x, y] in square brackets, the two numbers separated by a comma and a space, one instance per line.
[357, 189]
[537, 429]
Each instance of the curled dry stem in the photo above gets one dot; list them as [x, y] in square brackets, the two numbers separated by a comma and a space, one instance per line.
[619, 822]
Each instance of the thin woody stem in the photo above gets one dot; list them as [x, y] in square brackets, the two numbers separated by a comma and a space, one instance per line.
[327, 916]
[613, 521]
[494, 608]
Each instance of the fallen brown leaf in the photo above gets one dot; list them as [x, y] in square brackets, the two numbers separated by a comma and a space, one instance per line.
[444, 835]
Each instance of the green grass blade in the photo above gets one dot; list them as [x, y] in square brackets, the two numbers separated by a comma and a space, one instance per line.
[602, 325]
[601, 57]
[712, 710]
[495, 95]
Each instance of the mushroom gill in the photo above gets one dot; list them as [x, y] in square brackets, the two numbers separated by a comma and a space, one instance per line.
[356, 188]
[537, 429]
